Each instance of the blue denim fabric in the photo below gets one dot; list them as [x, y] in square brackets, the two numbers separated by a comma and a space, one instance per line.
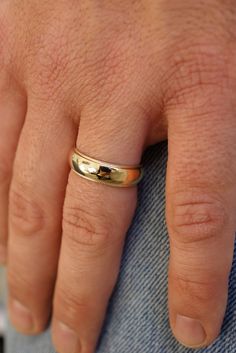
[137, 318]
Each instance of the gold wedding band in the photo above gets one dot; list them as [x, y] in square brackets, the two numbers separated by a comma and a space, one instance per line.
[103, 172]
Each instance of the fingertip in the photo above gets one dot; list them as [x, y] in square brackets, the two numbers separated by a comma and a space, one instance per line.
[193, 332]
[65, 339]
[189, 331]
[21, 317]
[23, 320]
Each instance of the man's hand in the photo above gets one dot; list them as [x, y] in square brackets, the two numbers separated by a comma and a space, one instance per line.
[113, 77]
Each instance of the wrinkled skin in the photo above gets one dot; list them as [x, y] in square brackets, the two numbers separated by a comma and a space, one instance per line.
[113, 77]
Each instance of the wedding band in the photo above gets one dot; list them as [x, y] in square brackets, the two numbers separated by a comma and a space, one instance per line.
[103, 172]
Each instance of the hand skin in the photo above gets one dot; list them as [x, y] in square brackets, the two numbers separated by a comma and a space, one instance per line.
[114, 77]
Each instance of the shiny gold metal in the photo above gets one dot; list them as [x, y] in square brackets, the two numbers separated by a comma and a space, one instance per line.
[103, 172]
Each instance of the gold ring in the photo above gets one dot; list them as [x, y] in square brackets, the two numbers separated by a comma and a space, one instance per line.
[103, 172]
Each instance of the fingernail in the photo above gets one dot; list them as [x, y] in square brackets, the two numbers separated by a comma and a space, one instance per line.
[189, 331]
[21, 316]
[3, 254]
[66, 339]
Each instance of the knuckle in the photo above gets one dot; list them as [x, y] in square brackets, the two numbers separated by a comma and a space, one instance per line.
[51, 68]
[25, 214]
[199, 290]
[198, 68]
[71, 307]
[54, 60]
[83, 228]
[197, 217]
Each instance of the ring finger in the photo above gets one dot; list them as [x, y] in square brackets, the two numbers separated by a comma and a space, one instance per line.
[96, 219]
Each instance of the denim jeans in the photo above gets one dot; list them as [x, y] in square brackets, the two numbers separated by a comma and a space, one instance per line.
[137, 317]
